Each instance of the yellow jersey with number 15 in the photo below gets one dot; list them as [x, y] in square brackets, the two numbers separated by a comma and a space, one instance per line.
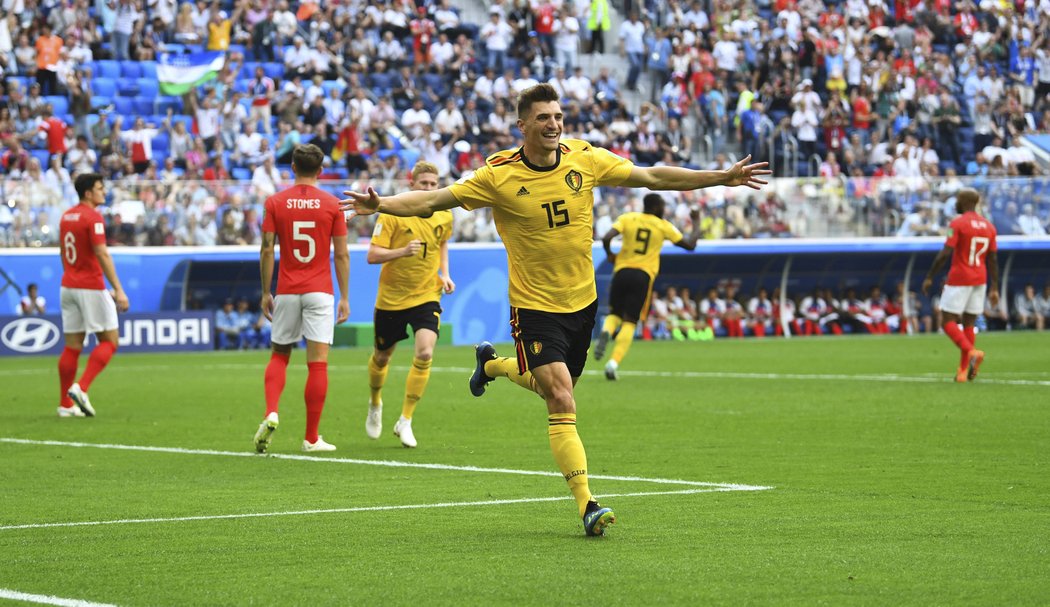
[545, 217]
[408, 282]
[643, 235]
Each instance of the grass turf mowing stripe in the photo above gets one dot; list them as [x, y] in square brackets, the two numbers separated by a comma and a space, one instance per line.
[862, 377]
[212, 517]
[368, 462]
[43, 599]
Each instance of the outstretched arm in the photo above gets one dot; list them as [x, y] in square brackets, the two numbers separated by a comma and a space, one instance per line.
[378, 254]
[414, 203]
[677, 178]
[944, 255]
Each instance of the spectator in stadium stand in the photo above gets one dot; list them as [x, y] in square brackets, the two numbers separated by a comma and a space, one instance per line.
[32, 303]
[1030, 223]
[48, 48]
[1027, 309]
[127, 16]
[81, 159]
[760, 313]
[1042, 303]
[598, 22]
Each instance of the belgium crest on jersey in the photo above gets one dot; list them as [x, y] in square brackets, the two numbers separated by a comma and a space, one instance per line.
[536, 348]
[574, 180]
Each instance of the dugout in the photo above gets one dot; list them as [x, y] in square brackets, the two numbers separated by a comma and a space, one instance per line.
[799, 265]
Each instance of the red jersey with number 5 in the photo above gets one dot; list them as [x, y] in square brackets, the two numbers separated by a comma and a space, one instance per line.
[305, 219]
[80, 229]
[971, 237]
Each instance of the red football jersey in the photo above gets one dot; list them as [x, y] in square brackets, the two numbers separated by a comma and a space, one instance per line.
[80, 229]
[305, 219]
[971, 237]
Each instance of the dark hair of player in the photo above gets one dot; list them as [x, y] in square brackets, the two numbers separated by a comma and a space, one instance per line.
[85, 182]
[535, 94]
[307, 160]
[653, 204]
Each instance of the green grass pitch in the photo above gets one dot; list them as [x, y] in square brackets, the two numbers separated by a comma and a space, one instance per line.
[887, 483]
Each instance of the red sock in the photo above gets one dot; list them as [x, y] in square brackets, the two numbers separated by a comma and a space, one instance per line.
[971, 335]
[67, 373]
[952, 330]
[759, 329]
[96, 363]
[836, 329]
[316, 390]
[273, 382]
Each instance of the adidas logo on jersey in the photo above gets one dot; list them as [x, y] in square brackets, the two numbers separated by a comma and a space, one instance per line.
[523, 191]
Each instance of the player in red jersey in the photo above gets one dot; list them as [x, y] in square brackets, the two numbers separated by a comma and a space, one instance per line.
[972, 249]
[307, 222]
[87, 307]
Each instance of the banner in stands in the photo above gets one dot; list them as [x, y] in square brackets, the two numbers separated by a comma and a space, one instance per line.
[164, 332]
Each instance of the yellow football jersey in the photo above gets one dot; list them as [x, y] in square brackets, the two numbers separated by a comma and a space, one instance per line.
[407, 282]
[545, 217]
[643, 235]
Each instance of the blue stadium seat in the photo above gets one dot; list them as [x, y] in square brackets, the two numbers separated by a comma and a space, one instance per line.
[240, 85]
[42, 155]
[328, 85]
[149, 69]
[98, 101]
[384, 154]
[168, 101]
[105, 87]
[22, 81]
[128, 88]
[142, 106]
[59, 104]
[187, 120]
[161, 142]
[239, 48]
[108, 69]
[241, 174]
[123, 107]
[176, 49]
[148, 87]
[130, 69]
[436, 82]
[274, 70]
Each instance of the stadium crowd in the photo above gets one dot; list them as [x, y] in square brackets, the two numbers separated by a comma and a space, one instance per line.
[893, 105]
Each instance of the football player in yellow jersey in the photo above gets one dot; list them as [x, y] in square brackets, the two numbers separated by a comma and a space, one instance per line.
[414, 254]
[634, 269]
[542, 199]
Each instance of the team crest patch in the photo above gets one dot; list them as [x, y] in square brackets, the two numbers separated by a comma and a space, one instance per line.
[536, 348]
[574, 180]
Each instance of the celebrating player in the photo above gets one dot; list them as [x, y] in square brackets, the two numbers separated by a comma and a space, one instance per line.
[307, 222]
[634, 269]
[414, 254]
[972, 249]
[87, 307]
[542, 199]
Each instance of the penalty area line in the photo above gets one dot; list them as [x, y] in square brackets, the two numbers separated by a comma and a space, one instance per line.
[43, 599]
[474, 504]
[382, 463]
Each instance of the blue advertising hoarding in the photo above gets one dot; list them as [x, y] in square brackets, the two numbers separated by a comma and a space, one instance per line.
[162, 332]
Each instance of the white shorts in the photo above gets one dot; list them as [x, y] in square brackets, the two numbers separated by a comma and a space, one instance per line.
[87, 310]
[963, 299]
[309, 315]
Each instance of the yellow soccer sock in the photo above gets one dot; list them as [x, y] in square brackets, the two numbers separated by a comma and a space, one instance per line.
[508, 367]
[570, 456]
[611, 323]
[376, 379]
[418, 376]
[623, 341]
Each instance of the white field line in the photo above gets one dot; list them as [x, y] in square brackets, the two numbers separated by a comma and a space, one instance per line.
[212, 517]
[922, 378]
[43, 599]
[385, 463]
